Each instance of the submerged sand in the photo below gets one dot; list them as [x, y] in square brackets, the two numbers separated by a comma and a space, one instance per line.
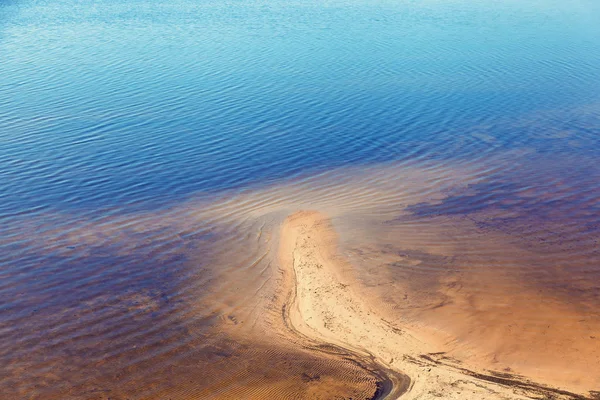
[367, 298]
[328, 305]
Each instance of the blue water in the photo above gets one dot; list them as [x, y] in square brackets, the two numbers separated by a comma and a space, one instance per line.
[109, 108]
[108, 103]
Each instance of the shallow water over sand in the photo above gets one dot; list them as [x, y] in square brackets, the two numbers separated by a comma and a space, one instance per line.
[149, 153]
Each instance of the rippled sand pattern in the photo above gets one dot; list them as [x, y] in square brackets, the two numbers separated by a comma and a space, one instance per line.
[274, 199]
[191, 302]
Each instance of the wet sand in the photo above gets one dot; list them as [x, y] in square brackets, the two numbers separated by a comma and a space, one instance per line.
[327, 306]
[496, 302]
[245, 296]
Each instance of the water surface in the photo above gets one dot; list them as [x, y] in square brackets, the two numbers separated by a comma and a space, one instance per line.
[143, 144]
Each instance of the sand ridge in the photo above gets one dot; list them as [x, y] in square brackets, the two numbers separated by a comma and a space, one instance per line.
[326, 305]
[335, 336]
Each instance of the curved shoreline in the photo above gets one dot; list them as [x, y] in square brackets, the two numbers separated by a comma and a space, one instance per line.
[390, 384]
[326, 312]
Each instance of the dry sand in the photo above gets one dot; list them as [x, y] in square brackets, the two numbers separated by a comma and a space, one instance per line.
[392, 304]
[327, 305]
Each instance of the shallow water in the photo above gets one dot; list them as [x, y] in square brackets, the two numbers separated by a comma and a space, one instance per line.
[149, 150]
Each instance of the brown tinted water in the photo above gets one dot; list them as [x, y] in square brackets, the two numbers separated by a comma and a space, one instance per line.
[186, 302]
[252, 199]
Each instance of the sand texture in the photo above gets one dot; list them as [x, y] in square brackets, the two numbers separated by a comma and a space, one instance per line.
[379, 294]
[326, 305]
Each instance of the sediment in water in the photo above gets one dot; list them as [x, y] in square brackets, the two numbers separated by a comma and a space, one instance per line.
[325, 306]
[442, 299]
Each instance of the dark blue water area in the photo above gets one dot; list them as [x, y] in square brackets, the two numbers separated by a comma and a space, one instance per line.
[142, 104]
[112, 113]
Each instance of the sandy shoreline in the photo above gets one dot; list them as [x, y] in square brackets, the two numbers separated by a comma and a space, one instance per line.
[325, 306]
